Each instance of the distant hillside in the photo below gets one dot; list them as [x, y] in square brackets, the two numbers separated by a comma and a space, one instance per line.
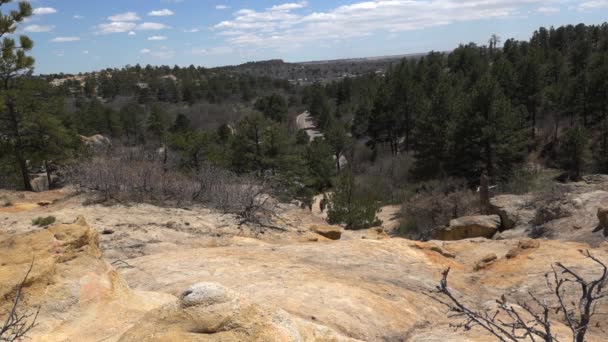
[319, 71]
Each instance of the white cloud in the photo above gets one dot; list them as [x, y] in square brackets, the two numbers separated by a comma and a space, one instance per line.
[162, 53]
[547, 10]
[85, 52]
[122, 17]
[115, 27]
[132, 33]
[78, 17]
[289, 6]
[65, 39]
[38, 28]
[44, 10]
[123, 27]
[282, 27]
[161, 13]
[152, 27]
[194, 30]
[157, 38]
[592, 5]
[222, 7]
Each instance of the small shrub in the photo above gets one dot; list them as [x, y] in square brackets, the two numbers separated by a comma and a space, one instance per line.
[529, 179]
[349, 206]
[434, 205]
[551, 205]
[137, 176]
[43, 221]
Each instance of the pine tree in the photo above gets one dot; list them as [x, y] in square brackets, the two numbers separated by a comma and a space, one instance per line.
[15, 63]
[351, 207]
[274, 107]
[574, 151]
[157, 124]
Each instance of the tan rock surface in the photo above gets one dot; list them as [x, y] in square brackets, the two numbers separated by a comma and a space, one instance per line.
[364, 289]
[81, 297]
[282, 285]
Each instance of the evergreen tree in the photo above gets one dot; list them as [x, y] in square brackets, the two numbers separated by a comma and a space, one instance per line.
[320, 164]
[338, 141]
[132, 119]
[15, 63]
[574, 151]
[488, 134]
[351, 207]
[274, 107]
[157, 124]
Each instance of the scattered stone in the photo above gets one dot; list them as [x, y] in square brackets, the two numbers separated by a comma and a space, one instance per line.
[330, 232]
[528, 244]
[107, 232]
[469, 227]
[489, 258]
[171, 224]
[513, 253]
[485, 261]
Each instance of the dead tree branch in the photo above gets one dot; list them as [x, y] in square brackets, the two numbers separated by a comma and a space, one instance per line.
[532, 320]
[18, 324]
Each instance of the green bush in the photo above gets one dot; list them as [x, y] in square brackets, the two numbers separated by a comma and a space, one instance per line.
[43, 221]
[351, 207]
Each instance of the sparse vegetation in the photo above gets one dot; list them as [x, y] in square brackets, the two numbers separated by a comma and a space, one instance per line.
[43, 221]
[434, 205]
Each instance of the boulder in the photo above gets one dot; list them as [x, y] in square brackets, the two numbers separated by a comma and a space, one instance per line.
[602, 216]
[40, 183]
[469, 227]
[330, 232]
[515, 211]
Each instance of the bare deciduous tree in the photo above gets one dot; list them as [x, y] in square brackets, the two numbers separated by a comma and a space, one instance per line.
[532, 320]
[18, 324]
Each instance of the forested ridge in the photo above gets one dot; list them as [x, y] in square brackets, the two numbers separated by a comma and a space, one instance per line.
[430, 123]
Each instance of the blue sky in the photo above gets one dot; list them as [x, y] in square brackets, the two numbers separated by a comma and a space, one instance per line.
[75, 35]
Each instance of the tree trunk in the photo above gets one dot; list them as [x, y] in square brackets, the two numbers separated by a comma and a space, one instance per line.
[48, 174]
[18, 145]
[338, 162]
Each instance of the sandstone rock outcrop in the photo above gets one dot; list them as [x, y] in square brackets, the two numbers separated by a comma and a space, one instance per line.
[211, 312]
[469, 227]
[80, 296]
